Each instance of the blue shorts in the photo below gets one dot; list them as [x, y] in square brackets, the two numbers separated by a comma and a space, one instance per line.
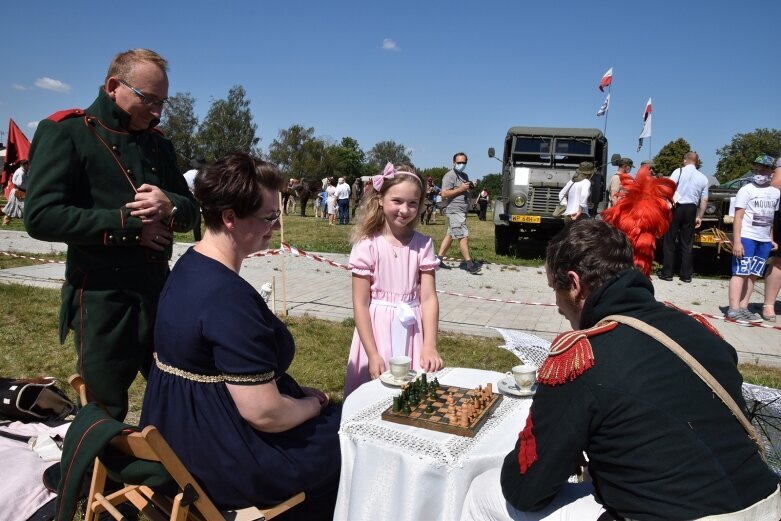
[755, 255]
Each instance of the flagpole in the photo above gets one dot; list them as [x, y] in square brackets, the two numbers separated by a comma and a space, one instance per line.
[607, 112]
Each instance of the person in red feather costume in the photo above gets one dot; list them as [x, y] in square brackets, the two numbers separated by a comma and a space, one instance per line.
[643, 213]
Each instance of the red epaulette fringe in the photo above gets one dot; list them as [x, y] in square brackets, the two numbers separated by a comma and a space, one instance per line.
[570, 355]
[527, 452]
[699, 318]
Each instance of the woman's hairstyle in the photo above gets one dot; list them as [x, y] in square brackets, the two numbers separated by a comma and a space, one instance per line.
[234, 182]
[372, 219]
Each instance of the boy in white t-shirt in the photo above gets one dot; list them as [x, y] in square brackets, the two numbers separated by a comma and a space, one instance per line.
[752, 241]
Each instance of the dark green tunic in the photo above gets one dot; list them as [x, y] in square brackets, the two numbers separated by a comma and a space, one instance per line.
[83, 170]
[660, 445]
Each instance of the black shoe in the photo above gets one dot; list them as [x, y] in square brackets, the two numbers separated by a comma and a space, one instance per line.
[472, 266]
[662, 276]
[442, 264]
[687, 281]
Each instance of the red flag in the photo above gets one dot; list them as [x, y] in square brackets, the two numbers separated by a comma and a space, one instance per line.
[606, 80]
[17, 148]
[647, 110]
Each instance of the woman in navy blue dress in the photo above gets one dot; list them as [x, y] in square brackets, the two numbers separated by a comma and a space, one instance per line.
[218, 390]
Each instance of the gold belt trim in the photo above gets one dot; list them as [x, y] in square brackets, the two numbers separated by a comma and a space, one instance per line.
[213, 379]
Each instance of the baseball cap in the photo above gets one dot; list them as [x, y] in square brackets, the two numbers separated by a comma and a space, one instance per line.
[764, 160]
[626, 161]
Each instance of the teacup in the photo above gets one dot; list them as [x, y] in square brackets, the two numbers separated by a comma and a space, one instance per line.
[525, 375]
[400, 366]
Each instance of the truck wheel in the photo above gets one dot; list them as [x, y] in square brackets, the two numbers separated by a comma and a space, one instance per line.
[502, 237]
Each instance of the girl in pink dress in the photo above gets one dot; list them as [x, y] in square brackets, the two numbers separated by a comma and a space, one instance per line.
[394, 293]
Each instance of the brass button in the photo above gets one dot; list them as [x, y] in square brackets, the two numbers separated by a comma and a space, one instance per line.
[154, 169]
[129, 171]
[124, 238]
[111, 237]
[114, 148]
[138, 238]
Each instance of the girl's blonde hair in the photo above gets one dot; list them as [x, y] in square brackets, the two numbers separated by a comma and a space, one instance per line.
[372, 219]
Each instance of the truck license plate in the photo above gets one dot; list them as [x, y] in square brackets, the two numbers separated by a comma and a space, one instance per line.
[708, 239]
[526, 219]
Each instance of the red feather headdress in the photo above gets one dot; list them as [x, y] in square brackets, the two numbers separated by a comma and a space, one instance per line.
[643, 213]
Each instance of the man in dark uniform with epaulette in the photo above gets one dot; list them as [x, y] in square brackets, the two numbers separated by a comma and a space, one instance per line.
[107, 184]
[661, 444]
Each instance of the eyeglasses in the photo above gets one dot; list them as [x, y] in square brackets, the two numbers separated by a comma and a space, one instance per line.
[152, 102]
[270, 220]
[461, 163]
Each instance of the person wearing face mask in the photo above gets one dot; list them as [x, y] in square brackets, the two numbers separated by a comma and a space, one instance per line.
[690, 201]
[455, 197]
[105, 181]
[752, 231]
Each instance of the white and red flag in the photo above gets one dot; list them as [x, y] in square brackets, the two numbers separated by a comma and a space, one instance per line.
[646, 125]
[606, 80]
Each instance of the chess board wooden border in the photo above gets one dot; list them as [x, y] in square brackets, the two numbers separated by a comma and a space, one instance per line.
[424, 423]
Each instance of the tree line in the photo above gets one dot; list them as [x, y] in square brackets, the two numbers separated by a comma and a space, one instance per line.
[228, 126]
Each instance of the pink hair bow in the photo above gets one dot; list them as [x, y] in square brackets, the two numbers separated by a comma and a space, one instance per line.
[379, 179]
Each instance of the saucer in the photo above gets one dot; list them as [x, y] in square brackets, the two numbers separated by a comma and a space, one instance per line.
[389, 379]
[508, 386]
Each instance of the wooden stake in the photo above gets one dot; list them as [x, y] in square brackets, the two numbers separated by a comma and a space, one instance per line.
[282, 259]
[273, 296]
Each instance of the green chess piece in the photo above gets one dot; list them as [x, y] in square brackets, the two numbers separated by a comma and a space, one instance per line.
[429, 408]
[406, 409]
[396, 403]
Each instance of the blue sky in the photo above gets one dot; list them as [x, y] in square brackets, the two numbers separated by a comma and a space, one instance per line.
[436, 76]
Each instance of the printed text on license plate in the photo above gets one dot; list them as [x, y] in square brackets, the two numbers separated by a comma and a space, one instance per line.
[526, 219]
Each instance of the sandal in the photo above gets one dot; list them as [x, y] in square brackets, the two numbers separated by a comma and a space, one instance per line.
[768, 317]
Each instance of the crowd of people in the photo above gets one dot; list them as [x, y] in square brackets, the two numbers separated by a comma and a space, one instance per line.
[612, 393]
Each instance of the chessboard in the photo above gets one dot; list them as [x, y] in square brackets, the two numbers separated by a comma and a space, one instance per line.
[445, 408]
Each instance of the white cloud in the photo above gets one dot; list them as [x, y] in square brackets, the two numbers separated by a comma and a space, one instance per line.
[16, 86]
[32, 125]
[51, 84]
[389, 45]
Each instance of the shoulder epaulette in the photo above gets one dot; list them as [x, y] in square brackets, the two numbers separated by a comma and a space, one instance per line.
[696, 316]
[66, 114]
[571, 355]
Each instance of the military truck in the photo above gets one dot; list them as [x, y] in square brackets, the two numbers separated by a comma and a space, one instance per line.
[536, 164]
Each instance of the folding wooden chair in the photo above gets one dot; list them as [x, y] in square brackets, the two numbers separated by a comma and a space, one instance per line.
[189, 503]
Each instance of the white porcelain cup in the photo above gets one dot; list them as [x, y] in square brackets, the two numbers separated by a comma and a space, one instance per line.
[525, 375]
[400, 366]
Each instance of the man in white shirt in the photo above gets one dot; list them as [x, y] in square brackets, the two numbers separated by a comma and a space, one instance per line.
[691, 199]
[343, 201]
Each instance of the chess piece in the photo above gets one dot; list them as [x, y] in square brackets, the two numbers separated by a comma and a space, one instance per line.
[464, 417]
[396, 403]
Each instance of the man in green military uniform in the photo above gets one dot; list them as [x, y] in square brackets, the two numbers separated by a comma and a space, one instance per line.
[106, 183]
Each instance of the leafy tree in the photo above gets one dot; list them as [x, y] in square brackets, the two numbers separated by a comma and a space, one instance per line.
[180, 125]
[671, 155]
[385, 151]
[736, 158]
[349, 158]
[291, 148]
[228, 126]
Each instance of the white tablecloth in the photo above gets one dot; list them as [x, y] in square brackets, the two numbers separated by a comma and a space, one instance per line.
[399, 472]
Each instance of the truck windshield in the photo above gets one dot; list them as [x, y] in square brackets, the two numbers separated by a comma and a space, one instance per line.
[534, 150]
[570, 151]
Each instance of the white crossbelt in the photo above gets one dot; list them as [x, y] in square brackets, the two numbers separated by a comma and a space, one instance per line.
[401, 325]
